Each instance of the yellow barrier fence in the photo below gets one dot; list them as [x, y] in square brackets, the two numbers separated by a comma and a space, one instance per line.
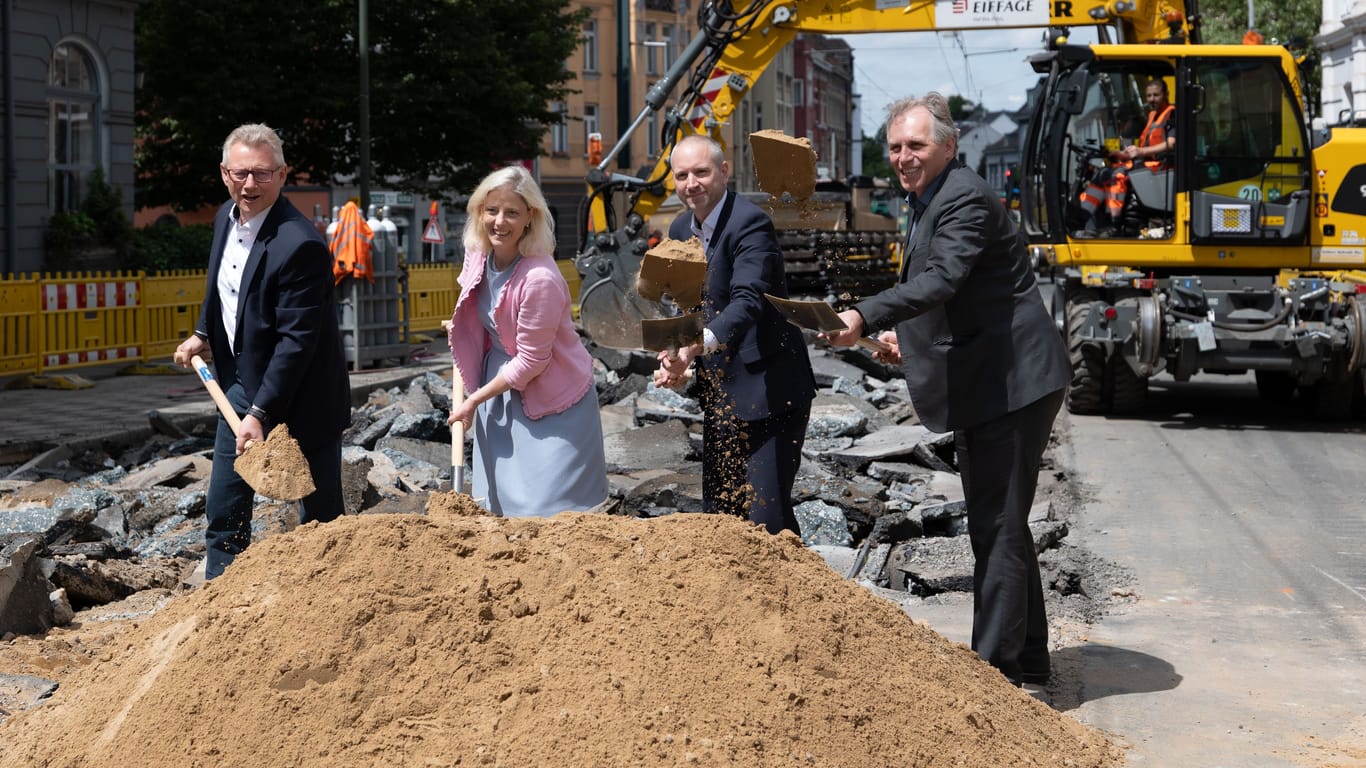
[19, 340]
[91, 318]
[172, 300]
[431, 295]
[56, 322]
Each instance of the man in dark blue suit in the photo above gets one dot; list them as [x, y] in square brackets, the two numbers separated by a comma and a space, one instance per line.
[270, 320]
[754, 373]
[982, 358]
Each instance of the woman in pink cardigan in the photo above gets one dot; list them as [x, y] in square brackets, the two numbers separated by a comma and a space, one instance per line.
[532, 406]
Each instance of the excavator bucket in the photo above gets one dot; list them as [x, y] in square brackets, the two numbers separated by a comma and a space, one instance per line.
[611, 316]
[610, 308]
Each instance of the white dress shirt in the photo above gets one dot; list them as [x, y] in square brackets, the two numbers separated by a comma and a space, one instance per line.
[241, 236]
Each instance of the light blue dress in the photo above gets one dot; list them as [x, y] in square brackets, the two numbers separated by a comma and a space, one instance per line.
[526, 467]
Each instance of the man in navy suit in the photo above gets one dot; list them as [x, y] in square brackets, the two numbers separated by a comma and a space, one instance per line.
[754, 373]
[982, 358]
[270, 320]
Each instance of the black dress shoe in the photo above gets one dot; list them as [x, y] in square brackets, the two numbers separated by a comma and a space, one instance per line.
[1035, 678]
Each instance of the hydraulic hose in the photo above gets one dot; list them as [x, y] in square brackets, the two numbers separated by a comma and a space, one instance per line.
[1286, 308]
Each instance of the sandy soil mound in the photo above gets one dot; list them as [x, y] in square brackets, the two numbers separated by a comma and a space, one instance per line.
[578, 641]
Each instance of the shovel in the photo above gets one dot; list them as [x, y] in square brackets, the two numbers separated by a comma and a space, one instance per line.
[457, 434]
[818, 316]
[275, 468]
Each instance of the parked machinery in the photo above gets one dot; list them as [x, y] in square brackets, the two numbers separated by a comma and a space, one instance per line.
[1245, 253]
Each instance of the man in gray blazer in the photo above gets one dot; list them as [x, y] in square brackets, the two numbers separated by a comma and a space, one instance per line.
[982, 358]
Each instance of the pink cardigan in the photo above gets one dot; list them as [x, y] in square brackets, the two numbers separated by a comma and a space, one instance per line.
[549, 365]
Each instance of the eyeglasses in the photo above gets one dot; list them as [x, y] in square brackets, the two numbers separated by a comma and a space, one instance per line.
[262, 175]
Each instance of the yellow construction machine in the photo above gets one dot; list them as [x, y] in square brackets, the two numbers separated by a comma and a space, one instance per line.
[1244, 253]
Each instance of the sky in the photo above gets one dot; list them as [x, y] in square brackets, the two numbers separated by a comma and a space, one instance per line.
[989, 67]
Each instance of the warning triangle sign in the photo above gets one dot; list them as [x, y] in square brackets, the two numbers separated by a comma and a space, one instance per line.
[433, 233]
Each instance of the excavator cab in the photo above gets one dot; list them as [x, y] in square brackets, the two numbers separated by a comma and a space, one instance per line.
[1241, 158]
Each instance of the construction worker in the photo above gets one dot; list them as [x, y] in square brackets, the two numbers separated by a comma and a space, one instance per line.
[1106, 193]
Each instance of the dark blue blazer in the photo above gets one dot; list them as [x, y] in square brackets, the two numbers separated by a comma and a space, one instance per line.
[976, 341]
[761, 363]
[289, 355]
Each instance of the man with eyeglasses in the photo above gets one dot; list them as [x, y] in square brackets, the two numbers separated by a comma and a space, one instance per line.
[270, 320]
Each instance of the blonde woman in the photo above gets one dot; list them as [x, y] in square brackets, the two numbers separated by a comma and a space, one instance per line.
[532, 406]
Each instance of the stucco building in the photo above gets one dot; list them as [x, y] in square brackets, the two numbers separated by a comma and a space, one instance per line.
[68, 110]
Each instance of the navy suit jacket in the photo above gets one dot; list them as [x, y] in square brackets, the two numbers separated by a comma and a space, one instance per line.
[976, 341]
[289, 355]
[762, 363]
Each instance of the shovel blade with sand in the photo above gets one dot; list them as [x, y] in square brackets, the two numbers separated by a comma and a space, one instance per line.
[677, 268]
[275, 468]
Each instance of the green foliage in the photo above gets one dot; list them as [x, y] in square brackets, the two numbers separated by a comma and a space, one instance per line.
[875, 161]
[961, 108]
[68, 234]
[160, 248]
[1292, 23]
[96, 236]
[455, 87]
[104, 205]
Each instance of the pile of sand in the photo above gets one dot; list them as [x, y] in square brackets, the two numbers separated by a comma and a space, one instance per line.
[581, 641]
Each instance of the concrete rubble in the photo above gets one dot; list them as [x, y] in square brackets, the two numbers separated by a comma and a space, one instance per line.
[78, 532]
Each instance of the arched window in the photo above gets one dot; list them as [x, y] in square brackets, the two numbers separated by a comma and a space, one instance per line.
[73, 96]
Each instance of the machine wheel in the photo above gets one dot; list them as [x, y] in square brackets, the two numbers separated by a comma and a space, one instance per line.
[1330, 398]
[1086, 391]
[1276, 387]
[1128, 390]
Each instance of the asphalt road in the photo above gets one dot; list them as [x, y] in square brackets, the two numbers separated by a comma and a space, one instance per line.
[1244, 528]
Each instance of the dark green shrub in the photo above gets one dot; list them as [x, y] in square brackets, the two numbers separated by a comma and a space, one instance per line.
[69, 238]
[96, 237]
[160, 247]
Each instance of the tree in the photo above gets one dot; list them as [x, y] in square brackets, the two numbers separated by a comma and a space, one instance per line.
[1292, 23]
[875, 161]
[961, 108]
[456, 87]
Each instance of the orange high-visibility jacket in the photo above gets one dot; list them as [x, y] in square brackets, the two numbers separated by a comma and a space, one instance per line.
[351, 245]
[1155, 133]
[1111, 187]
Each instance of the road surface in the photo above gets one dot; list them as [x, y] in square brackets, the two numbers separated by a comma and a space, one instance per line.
[1244, 528]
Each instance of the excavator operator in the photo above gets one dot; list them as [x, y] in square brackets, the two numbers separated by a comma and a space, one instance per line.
[1105, 195]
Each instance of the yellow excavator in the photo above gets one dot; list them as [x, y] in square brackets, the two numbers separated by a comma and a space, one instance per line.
[1244, 251]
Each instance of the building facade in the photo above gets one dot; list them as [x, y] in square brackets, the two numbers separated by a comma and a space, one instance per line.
[628, 46]
[1342, 36]
[823, 96]
[68, 110]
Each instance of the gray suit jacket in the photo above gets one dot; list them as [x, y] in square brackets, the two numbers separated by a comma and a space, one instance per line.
[976, 341]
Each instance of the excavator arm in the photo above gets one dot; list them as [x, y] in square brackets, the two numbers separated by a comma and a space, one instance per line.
[735, 43]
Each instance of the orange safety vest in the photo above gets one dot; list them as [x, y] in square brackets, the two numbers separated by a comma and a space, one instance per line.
[351, 245]
[1111, 187]
[1155, 133]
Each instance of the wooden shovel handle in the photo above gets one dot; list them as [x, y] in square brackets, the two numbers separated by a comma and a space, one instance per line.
[872, 344]
[458, 428]
[211, 384]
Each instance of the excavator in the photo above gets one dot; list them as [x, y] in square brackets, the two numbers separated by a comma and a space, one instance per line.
[1244, 251]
